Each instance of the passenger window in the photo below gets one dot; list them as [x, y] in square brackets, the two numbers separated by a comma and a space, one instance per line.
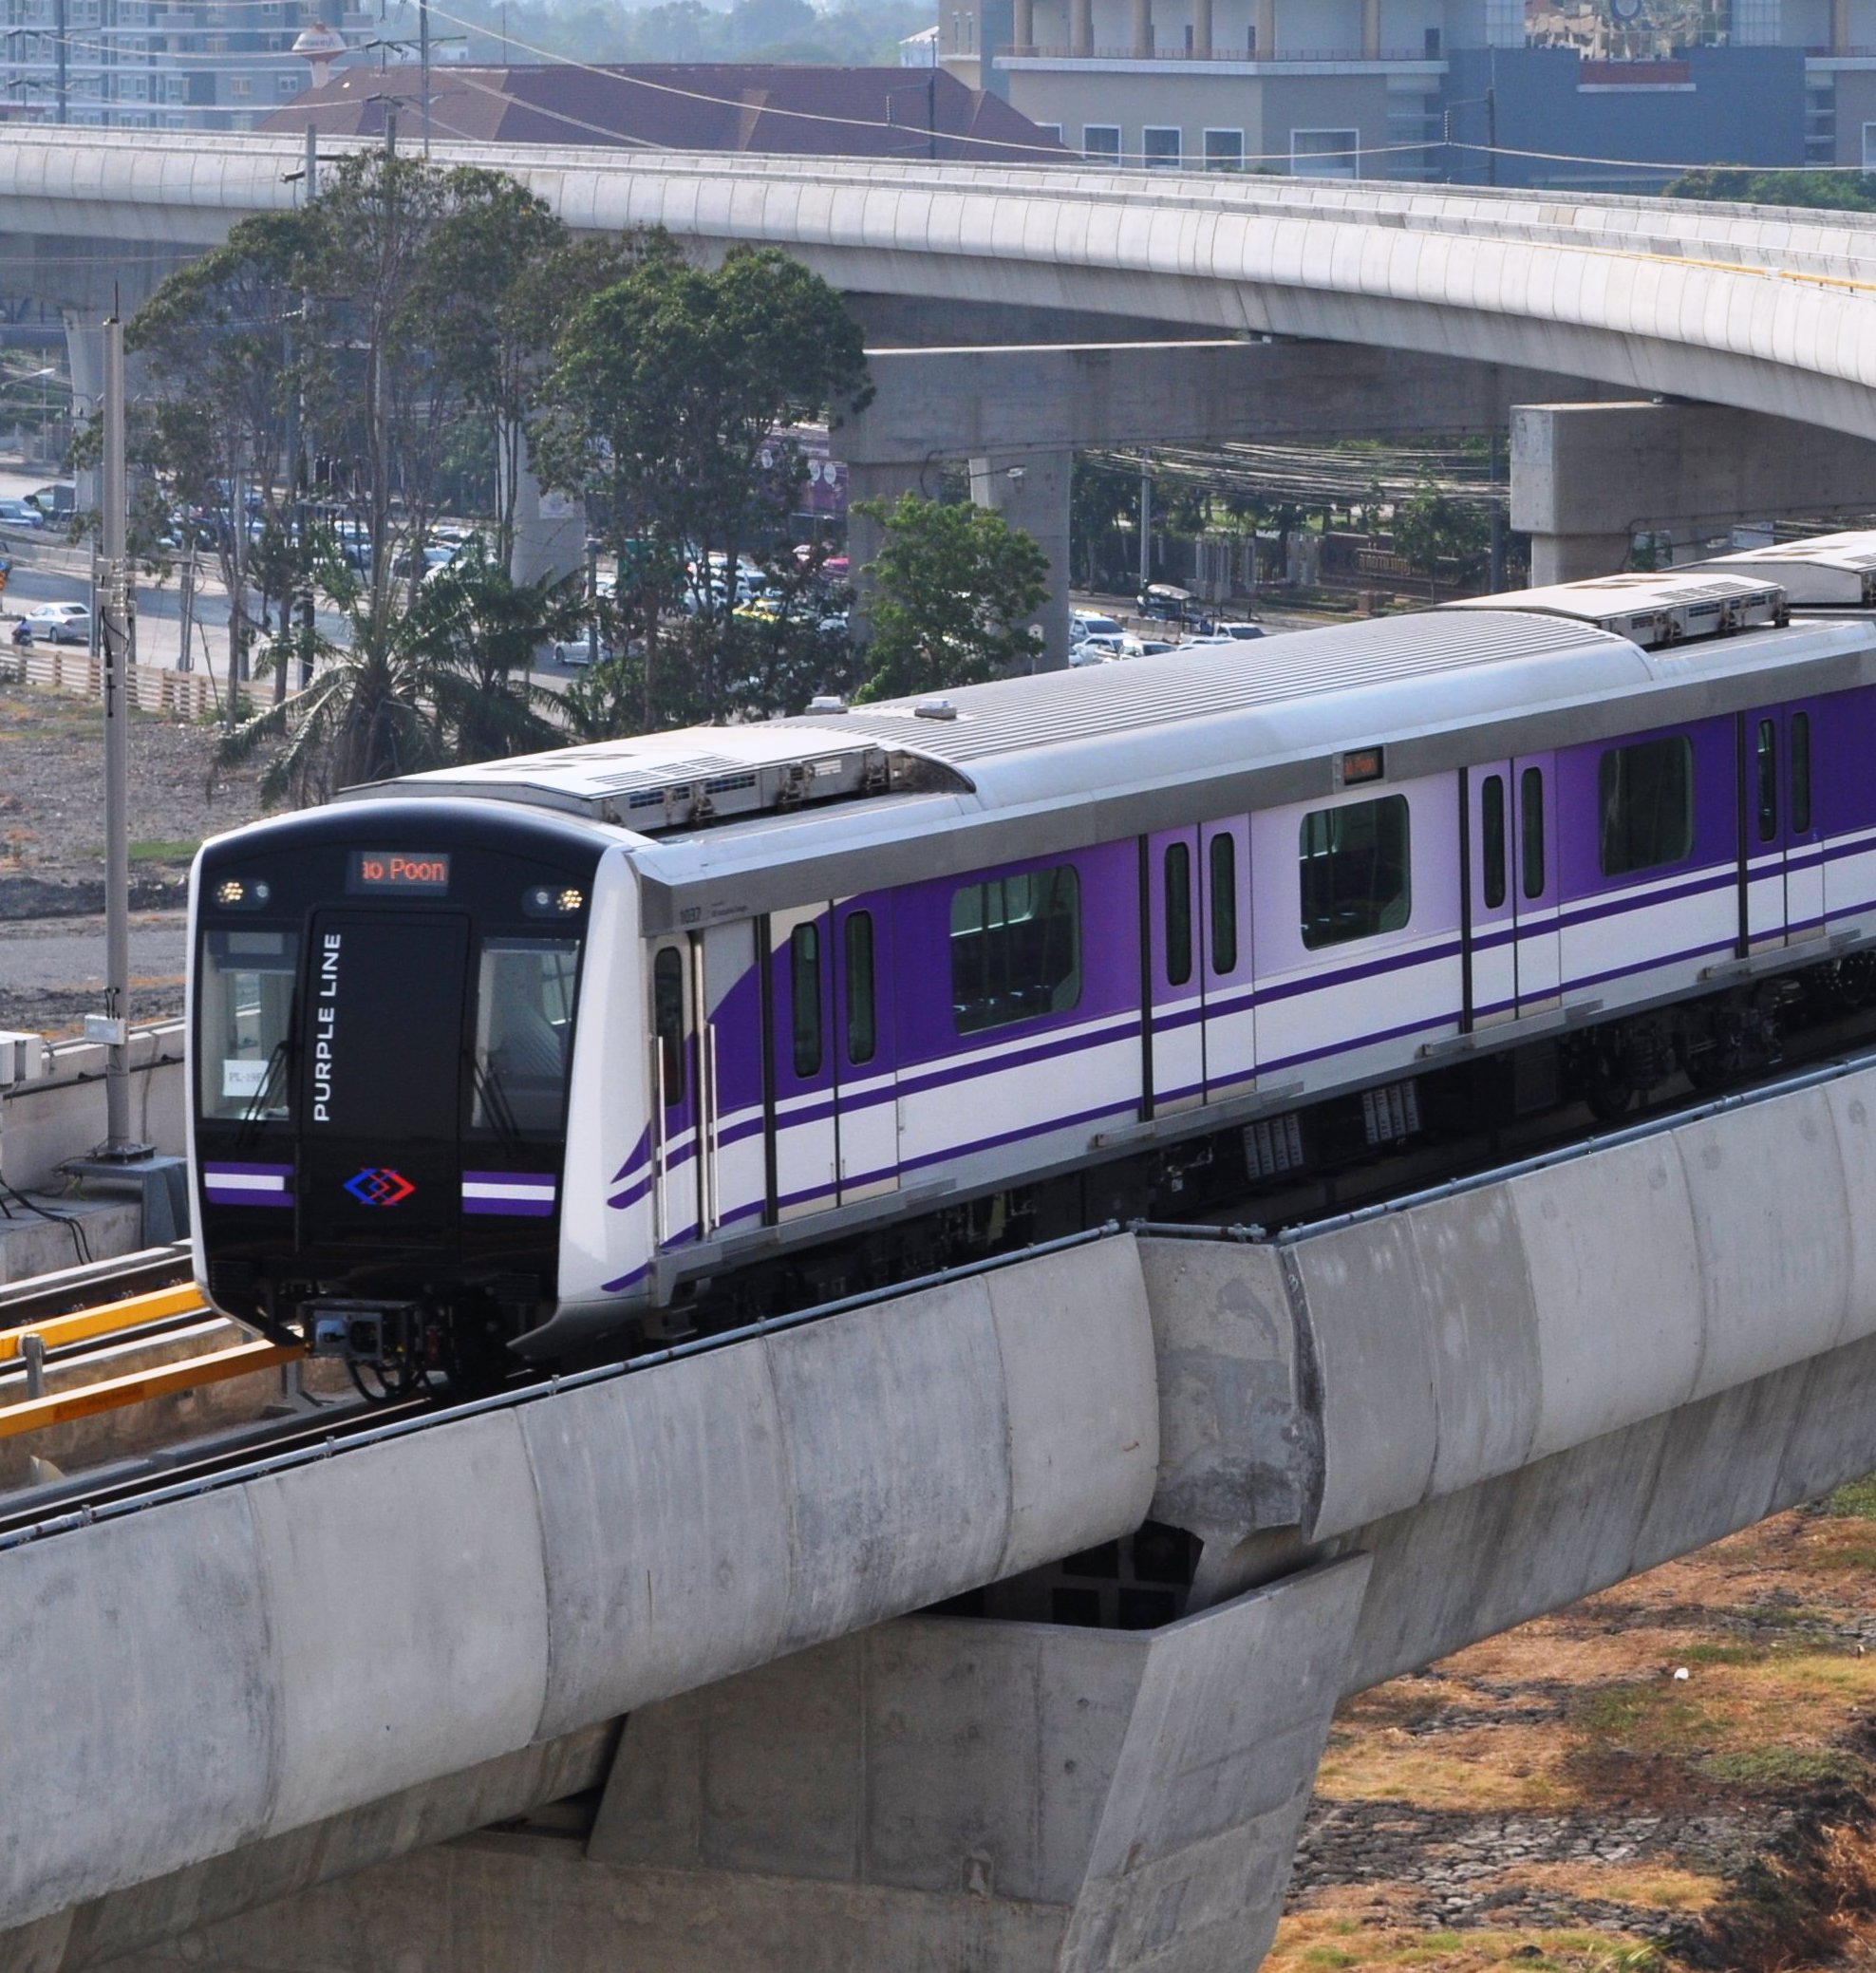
[1354, 871]
[1178, 874]
[1531, 830]
[667, 1019]
[804, 996]
[1224, 854]
[1491, 840]
[1645, 798]
[1800, 774]
[1766, 757]
[862, 1024]
[1015, 948]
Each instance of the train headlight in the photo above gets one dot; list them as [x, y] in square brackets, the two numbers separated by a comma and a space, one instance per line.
[552, 900]
[243, 894]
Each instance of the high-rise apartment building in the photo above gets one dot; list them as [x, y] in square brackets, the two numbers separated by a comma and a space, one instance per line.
[175, 65]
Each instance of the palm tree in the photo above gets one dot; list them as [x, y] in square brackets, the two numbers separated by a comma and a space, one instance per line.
[441, 683]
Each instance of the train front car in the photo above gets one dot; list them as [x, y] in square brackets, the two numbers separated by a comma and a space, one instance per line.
[383, 1004]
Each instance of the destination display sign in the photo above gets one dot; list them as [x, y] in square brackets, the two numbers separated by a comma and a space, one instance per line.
[422, 871]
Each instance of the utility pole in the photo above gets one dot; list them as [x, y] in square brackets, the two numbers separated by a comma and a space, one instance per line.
[1146, 526]
[187, 611]
[424, 66]
[59, 38]
[238, 601]
[111, 608]
[304, 558]
[592, 599]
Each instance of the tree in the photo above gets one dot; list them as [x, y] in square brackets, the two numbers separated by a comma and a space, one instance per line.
[669, 405]
[953, 589]
[1100, 495]
[218, 338]
[1829, 191]
[442, 682]
[1431, 531]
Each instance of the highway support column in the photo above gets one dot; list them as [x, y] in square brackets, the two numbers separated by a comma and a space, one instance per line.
[1588, 477]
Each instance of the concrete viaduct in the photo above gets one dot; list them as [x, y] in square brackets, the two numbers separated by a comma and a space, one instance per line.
[239, 1720]
[1747, 319]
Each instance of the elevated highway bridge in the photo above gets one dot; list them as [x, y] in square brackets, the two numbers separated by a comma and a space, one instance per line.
[1752, 320]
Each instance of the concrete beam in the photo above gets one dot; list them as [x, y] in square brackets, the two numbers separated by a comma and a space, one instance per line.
[960, 403]
[1586, 477]
[243, 1668]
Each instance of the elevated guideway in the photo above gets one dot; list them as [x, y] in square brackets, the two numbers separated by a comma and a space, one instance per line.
[1392, 1434]
[1761, 308]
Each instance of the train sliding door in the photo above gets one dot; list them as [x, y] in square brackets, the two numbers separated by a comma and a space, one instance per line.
[805, 1147]
[1492, 948]
[676, 1100]
[1225, 958]
[1174, 974]
[1533, 787]
[1512, 957]
[865, 1052]
[1781, 857]
[733, 1164]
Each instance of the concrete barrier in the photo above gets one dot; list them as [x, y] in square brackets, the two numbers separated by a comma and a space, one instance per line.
[60, 1112]
[323, 1636]
[1355, 1371]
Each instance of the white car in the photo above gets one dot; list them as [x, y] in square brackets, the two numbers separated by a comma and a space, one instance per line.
[577, 650]
[58, 623]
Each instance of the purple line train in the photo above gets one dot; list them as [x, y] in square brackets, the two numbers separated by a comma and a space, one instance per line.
[557, 1054]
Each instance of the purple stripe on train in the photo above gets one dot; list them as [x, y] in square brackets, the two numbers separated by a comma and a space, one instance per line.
[510, 1194]
[226, 1184]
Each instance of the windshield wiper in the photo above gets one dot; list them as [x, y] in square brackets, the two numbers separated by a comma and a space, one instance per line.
[255, 1112]
[495, 1101]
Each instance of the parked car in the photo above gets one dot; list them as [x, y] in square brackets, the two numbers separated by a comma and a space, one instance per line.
[577, 650]
[20, 514]
[58, 623]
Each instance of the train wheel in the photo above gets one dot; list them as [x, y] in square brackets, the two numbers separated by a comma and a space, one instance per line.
[1607, 1086]
[1853, 978]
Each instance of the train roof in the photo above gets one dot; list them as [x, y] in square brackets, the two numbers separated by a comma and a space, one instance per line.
[836, 801]
[1821, 572]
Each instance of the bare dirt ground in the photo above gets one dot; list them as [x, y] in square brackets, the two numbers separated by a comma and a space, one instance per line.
[1559, 1797]
[51, 853]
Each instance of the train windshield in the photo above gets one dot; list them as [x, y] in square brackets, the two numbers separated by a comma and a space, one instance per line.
[524, 1033]
[245, 988]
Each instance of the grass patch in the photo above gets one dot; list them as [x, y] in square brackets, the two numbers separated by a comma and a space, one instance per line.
[161, 851]
[1725, 1654]
[1778, 1768]
[1854, 1500]
[1657, 1717]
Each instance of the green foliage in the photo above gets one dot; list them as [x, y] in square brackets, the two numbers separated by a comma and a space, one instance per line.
[402, 304]
[1829, 191]
[442, 681]
[1438, 534]
[953, 590]
[1854, 1499]
[1100, 495]
[667, 406]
